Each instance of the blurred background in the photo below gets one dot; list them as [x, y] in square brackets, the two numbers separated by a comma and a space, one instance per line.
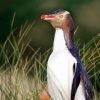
[86, 15]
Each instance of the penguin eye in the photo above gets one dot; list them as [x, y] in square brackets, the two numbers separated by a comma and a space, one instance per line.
[61, 16]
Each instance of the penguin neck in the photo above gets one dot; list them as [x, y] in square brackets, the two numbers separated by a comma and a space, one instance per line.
[63, 40]
[59, 40]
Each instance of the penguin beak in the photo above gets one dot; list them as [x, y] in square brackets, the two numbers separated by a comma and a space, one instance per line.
[48, 17]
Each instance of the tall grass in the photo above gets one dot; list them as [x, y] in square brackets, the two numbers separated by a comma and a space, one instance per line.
[23, 69]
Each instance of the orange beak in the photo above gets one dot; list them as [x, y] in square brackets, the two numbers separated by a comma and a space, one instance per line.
[47, 17]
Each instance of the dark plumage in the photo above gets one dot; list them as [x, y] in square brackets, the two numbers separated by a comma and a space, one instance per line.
[57, 11]
[80, 75]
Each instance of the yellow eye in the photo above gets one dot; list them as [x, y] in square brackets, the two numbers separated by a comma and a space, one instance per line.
[61, 16]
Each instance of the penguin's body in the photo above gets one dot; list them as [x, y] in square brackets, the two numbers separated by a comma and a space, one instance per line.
[60, 71]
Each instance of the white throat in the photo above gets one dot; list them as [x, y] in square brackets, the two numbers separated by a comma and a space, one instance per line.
[59, 41]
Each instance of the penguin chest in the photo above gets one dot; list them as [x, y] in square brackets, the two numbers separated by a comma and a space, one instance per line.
[60, 73]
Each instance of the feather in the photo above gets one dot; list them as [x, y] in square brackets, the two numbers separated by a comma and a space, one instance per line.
[81, 74]
[86, 83]
[76, 82]
[57, 11]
